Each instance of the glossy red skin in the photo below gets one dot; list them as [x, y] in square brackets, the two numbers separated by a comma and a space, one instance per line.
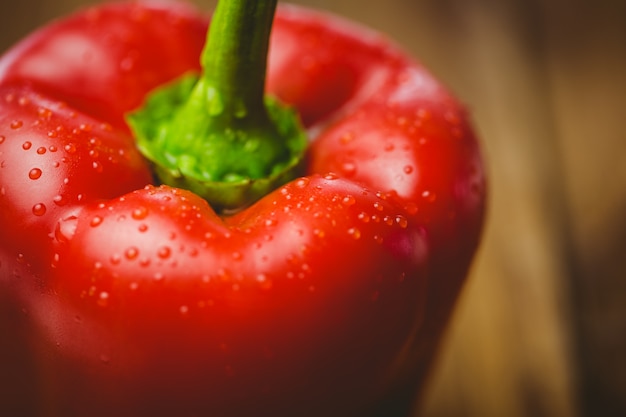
[326, 297]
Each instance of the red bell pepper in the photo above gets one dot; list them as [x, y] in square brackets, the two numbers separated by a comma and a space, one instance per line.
[123, 295]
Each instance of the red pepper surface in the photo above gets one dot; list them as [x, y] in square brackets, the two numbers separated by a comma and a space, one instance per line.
[327, 297]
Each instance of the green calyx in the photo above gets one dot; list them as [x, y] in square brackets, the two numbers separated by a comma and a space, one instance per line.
[216, 134]
[229, 166]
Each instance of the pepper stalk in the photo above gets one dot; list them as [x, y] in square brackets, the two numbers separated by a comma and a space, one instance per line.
[216, 133]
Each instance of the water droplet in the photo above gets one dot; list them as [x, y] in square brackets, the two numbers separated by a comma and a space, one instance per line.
[65, 228]
[378, 239]
[115, 259]
[319, 233]
[330, 176]
[423, 114]
[39, 209]
[378, 206]
[302, 182]
[16, 124]
[97, 166]
[52, 148]
[401, 221]
[452, 117]
[27, 145]
[348, 200]
[143, 227]
[348, 168]
[70, 148]
[103, 298]
[346, 137]
[354, 232]
[41, 150]
[429, 196]
[408, 169]
[131, 253]
[411, 208]
[183, 310]
[364, 217]
[140, 213]
[164, 252]
[34, 173]
[2, 138]
[216, 103]
[95, 221]
[44, 113]
[270, 222]
[158, 276]
[457, 133]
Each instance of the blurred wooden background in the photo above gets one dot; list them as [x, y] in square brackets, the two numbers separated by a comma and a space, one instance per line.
[541, 327]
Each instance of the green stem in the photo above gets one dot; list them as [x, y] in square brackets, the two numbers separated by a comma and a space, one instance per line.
[235, 58]
[217, 134]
